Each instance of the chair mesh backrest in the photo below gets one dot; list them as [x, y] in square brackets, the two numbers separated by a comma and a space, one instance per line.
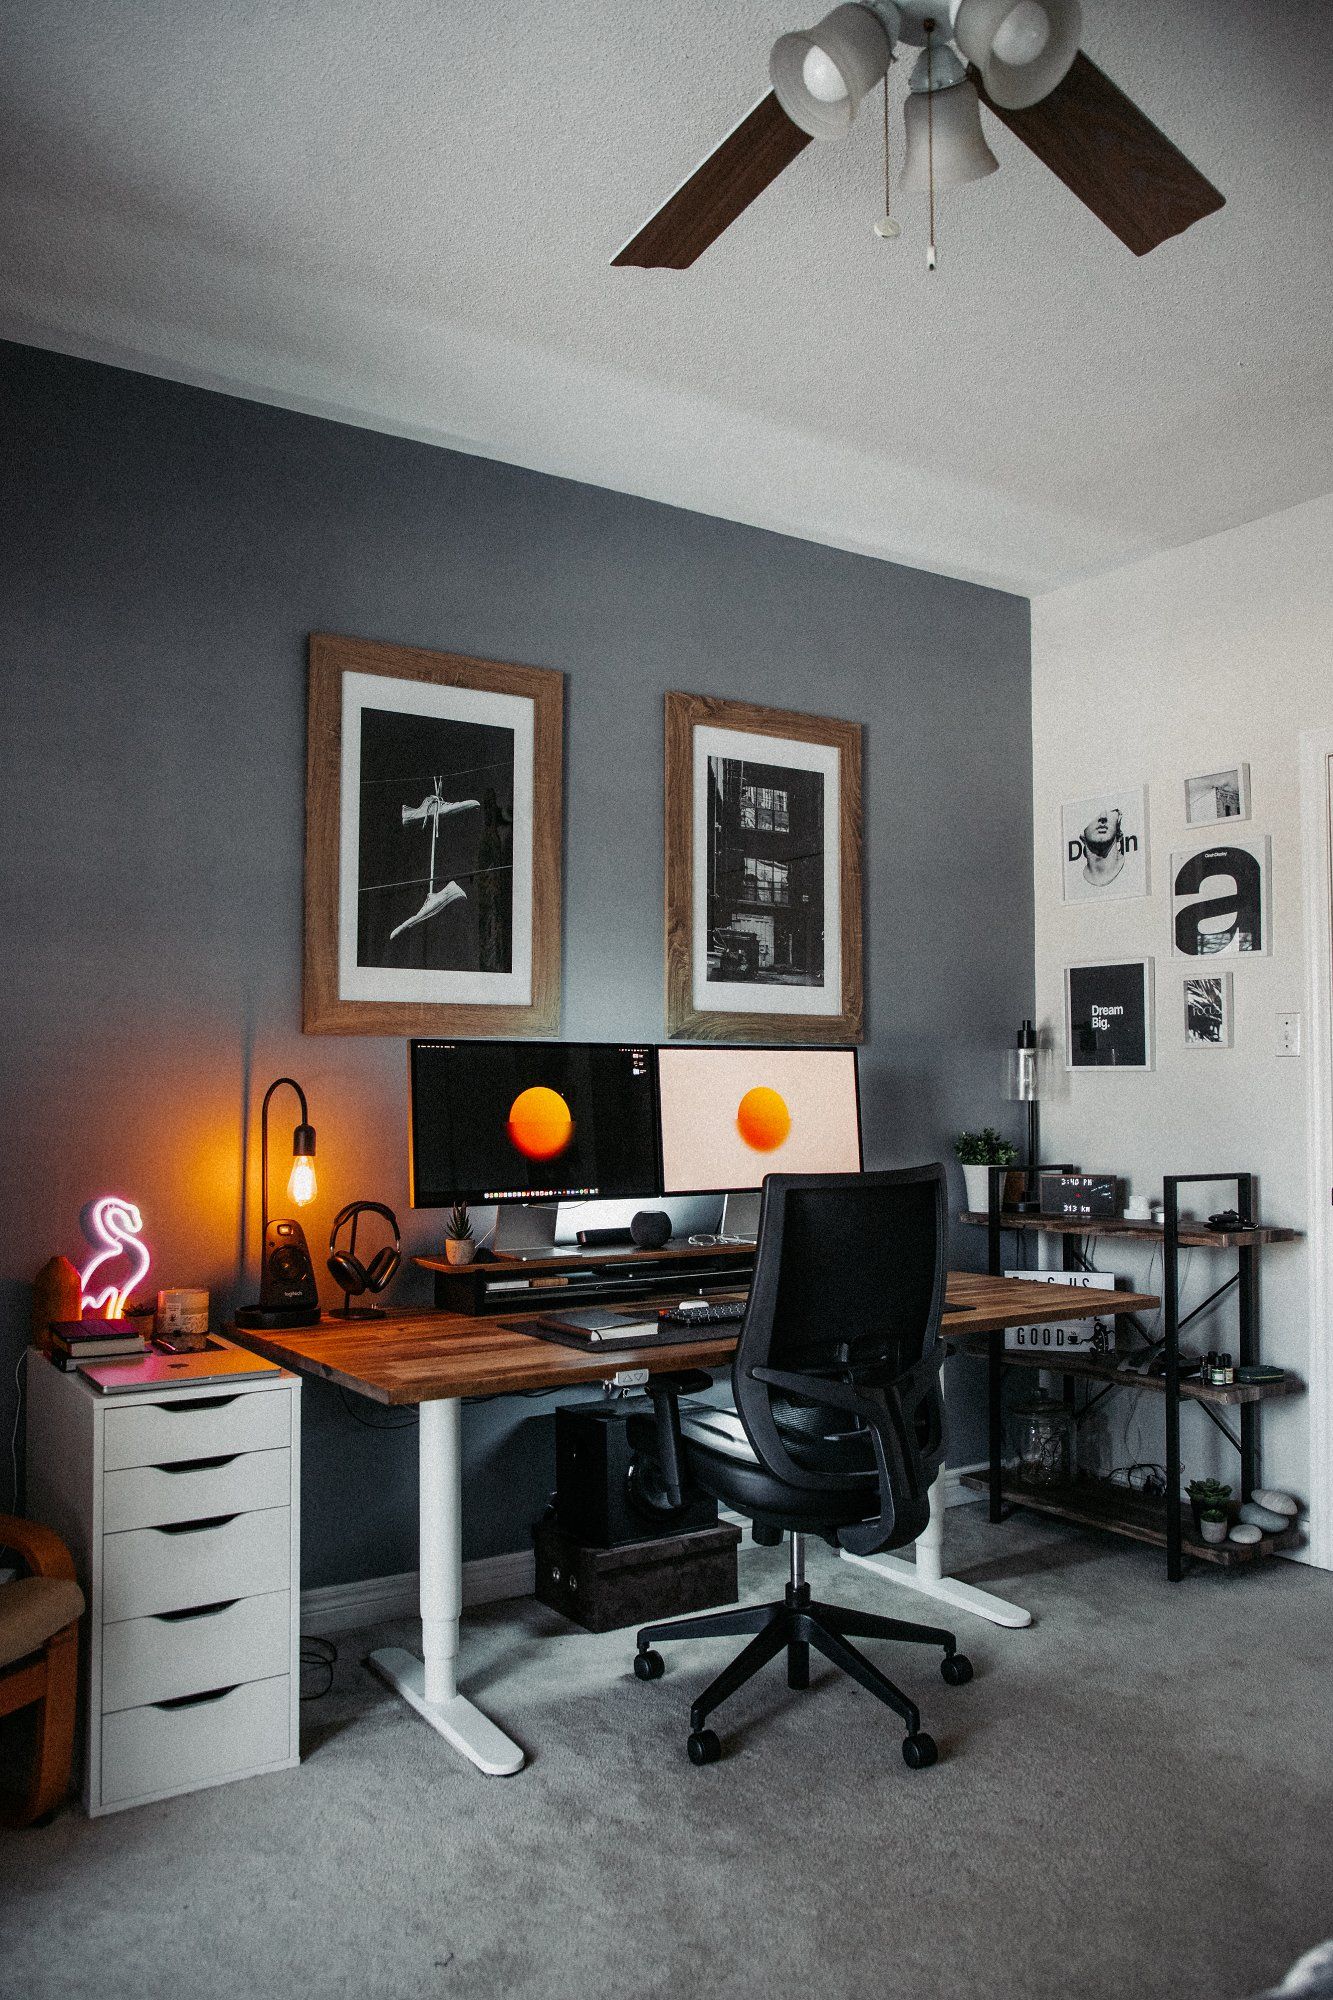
[849, 1267]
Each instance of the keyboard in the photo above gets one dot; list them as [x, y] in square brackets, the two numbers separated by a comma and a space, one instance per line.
[724, 1313]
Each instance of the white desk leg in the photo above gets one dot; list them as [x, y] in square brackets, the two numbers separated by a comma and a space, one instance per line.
[430, 1684]
[926, 1574]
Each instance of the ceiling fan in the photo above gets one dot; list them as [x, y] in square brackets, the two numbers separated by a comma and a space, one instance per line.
[1020, 58]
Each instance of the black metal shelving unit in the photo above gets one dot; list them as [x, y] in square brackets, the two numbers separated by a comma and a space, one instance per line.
[1164, 1523]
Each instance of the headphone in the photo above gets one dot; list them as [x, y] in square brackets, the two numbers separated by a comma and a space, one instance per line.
[346, 1267]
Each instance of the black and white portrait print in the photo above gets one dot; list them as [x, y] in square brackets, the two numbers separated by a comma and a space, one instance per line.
[765, 874]
[1108, 1015]
[1208, 1012]
[435, 853]
[1219, 899]
[1105, 846]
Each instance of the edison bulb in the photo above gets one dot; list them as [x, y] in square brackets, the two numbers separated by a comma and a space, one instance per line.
[822, 77]
[301, 1185]
[1023, 34]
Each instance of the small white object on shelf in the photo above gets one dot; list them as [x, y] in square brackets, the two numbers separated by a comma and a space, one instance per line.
[1265, 1518]
[1246, 1534]
[1275, 1502]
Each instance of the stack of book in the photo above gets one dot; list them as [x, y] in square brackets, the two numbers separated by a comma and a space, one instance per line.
[77, 1340]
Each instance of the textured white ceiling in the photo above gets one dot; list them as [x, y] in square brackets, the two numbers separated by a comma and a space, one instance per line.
[402, 213]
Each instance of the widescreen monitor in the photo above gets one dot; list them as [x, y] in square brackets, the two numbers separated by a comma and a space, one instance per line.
[730, 1116]
[532, 1121]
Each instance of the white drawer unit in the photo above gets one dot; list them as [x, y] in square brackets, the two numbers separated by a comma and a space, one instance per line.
[181, 1508]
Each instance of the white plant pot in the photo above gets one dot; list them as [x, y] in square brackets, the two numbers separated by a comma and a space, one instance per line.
[1214, 1531]
[977, 1182]
[459, 1249]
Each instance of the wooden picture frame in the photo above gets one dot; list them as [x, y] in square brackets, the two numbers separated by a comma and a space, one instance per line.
[479, 954]
[763, 911]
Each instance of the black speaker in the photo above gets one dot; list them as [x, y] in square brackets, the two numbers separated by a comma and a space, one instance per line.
[288, 1295]
[600, 1489]
[650, 1228]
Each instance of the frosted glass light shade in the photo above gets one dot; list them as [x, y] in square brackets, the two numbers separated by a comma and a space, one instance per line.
[961, 152]
[1022, 47]
[850, 45]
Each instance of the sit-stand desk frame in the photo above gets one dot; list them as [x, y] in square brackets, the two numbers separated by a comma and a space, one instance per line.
[436, 1360]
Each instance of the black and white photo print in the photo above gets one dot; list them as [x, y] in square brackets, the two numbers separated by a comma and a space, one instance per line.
[1220, 899]
[1105, 846]
[1218, 795]
[766, 869]
[1108, 1015]
[1208, 1012]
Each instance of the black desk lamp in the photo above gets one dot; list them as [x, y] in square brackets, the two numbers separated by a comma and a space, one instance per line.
[288, 1295]
[1022, 1085]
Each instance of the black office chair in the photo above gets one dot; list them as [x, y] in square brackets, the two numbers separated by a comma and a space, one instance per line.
[837, 1426]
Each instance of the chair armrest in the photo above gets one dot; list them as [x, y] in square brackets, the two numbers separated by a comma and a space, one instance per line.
[41, 1548]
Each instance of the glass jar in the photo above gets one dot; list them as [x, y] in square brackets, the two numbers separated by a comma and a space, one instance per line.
[1044, 1433]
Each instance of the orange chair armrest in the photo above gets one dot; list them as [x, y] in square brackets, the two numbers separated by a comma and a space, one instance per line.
[41, 1548]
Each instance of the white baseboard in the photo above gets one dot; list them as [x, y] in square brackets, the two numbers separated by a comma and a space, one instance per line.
[342, 1607]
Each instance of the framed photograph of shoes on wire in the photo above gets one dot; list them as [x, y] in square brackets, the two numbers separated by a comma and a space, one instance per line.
[433, 843]
[763, 873]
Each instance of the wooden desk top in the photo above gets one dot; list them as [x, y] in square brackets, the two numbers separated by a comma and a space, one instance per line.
[417, 1357]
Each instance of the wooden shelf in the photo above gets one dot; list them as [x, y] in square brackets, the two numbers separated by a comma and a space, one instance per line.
[1192, 1235]
[1107, 1368]
[1096, 1503]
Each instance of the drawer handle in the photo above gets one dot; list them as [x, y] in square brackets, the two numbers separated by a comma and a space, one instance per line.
[195, 1700]
[198, 1403]
[195, 1527]
[198, 1464]
[195, 1611]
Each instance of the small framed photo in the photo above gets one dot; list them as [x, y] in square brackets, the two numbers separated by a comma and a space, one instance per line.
[1221, 899]
[1105, 846]
[1208, 1012]
[1216, 795]
[1108, 1015]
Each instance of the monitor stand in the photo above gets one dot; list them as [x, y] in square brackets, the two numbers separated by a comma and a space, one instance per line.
[740, 1216]
[525, 1229]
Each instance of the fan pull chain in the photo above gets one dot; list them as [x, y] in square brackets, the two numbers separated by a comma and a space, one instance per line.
[930, 137]
[887, 228]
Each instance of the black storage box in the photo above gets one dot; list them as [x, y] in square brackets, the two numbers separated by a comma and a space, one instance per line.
[594, 1493]
[603, 1589]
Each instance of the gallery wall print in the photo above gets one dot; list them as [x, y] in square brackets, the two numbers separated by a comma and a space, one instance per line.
[1218, 795]
[763, 873]
[1208, 1011]
[433, 843]
[1105, 846]
[1108, 1015]
[1220, 899]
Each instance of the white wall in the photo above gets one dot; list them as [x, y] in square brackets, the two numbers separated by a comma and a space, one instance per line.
[1194, 659]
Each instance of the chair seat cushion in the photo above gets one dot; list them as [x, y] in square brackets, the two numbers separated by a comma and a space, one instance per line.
[723, 1462]
[33, 1610]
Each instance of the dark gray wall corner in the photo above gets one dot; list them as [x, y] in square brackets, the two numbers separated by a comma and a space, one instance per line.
[165, 553]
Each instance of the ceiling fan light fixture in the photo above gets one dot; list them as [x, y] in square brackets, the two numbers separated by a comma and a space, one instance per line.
[961, 152]
[821, 75]
[1023, 48]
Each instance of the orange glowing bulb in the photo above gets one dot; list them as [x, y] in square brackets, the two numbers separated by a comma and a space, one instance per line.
[762, 1119]
[301, 1184]
[540, 1123]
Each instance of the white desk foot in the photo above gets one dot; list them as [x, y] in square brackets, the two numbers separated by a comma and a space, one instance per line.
[457, 1721]
[947, 1589]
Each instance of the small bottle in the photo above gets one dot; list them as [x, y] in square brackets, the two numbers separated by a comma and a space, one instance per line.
[1227, 1372]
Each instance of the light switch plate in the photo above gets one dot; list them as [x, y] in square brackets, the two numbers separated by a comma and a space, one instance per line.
[1288, 1034]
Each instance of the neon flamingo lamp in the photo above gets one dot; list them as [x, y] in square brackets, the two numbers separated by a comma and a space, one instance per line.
[115, 1226]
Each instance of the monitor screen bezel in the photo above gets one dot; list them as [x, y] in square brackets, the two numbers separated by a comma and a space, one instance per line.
[756, 1048]
[484, 1198]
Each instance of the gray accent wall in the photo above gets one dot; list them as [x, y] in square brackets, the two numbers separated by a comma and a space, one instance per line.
[165, 552]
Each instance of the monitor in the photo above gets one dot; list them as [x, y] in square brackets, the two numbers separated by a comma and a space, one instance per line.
[730, 1116]
[532, 1121]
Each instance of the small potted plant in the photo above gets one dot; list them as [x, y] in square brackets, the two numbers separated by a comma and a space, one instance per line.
[1208, 1497]
[977, 1152]
[1214, 1524]
[459, 1245]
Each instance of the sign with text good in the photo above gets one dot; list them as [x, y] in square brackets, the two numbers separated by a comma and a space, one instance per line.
[1059, 1337]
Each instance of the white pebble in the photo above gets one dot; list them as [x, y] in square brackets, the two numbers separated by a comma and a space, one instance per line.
[1245, 1533]
[1276, 1503]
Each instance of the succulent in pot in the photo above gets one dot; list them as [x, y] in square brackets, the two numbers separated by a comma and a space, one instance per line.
[1208, 1496]
[459, 1245]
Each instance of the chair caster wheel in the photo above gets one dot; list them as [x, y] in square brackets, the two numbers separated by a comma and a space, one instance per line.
[704, 1746]
[957, 1670]
[649, 1666]
[919, 1751]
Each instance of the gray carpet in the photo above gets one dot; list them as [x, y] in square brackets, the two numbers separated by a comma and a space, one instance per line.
[1133, 1799]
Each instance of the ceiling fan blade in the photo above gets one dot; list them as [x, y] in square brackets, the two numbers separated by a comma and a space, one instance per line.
[751, 156]
[1098, 142]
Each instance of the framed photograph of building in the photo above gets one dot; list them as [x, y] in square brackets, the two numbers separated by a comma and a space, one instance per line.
[433, 843]
[1220, 899]
[1104, 851]
[763, 873]
[1216, 795]
[1208, 1012]
[1108, 1015]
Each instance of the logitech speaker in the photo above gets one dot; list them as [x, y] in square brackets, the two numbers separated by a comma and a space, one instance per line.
[650, 1228]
